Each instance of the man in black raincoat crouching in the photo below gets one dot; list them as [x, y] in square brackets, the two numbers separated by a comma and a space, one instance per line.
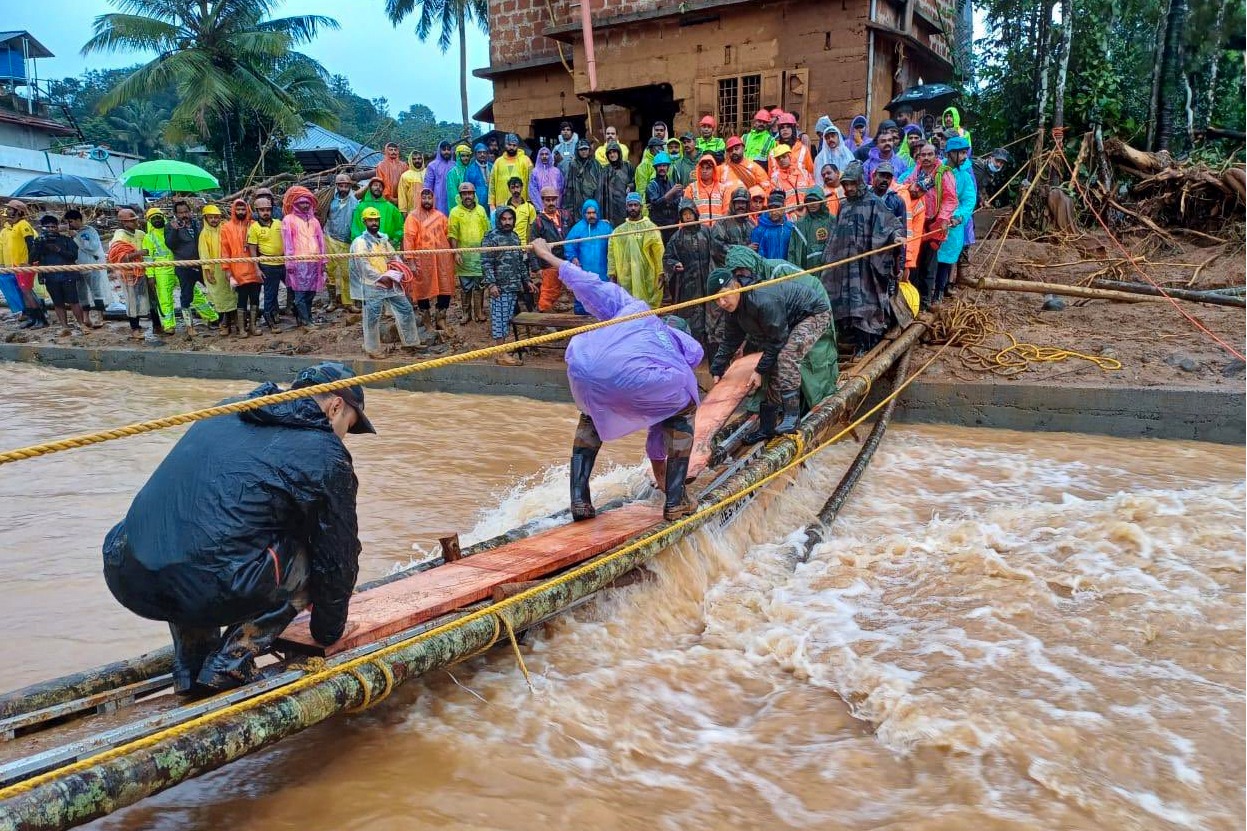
[248, 520]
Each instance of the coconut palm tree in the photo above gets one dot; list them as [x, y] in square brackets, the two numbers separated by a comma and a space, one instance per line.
[449, 16]
[222, 57]
[139, 128]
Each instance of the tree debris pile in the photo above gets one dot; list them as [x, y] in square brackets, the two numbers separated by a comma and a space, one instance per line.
[1160, 192]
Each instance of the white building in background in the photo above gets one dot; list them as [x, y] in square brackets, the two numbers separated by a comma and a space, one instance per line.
[33, 142]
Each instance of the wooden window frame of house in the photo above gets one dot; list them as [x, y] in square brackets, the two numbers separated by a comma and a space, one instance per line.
[785, 88]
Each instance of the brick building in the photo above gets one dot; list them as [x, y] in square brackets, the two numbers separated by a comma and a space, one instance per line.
[676, 61]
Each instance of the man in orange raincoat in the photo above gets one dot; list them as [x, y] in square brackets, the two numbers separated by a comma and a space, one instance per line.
[706, 192]
[788, 176]
[244, 277]
[391, 170]
[434, 283]
[740, 172]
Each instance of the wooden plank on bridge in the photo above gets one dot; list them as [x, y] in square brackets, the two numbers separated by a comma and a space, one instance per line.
[394, 607]
[405, 603]
[717, 407]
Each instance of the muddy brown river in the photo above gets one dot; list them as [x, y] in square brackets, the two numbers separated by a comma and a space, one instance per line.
[1005, 631]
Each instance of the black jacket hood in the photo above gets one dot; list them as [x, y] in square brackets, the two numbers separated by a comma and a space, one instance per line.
[303, 413]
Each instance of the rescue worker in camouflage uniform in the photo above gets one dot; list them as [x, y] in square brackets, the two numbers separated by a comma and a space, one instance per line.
[507, 272]
[785, 320]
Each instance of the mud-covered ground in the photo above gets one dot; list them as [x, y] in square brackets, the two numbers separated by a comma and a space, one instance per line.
[1154, 343]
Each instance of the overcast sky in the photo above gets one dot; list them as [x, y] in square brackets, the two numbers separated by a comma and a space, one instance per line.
[379, 60]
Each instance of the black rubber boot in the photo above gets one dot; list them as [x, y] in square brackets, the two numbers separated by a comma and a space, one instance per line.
[679, 504]
[582, 468]
[191, 647]
[233, 664]
[767, 415]
[792, 413]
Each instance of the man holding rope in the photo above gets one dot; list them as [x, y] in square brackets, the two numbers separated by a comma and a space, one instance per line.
[249, 519]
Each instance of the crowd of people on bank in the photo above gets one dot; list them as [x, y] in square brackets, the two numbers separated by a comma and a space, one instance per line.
[658, 228]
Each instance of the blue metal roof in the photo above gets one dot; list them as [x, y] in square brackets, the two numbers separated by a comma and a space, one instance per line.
[320, 149]
[34, 49]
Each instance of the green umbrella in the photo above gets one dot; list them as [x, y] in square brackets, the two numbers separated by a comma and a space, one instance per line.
[169, 174]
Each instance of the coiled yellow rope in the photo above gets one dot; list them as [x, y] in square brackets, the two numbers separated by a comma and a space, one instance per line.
[973, 327]
[494, 611]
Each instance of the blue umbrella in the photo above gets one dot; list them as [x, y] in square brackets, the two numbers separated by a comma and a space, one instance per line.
[62, 186]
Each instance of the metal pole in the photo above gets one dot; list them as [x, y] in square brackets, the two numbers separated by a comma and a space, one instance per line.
[586, 27]
[30, 106]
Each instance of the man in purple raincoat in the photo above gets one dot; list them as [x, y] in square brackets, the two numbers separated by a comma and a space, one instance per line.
[626, 377]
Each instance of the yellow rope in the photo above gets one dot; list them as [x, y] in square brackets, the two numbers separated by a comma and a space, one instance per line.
[358, 675]
[972, 327]
[493, 610]
[515, 647]
[138, 428]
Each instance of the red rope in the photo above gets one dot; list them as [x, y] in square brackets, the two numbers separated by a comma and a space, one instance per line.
[1130, 258]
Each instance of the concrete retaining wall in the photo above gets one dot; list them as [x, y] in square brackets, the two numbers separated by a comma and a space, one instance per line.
[541, 383]
[1127, 412]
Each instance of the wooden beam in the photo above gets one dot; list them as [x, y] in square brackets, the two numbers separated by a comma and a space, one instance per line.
[716, 408]
[391, 608]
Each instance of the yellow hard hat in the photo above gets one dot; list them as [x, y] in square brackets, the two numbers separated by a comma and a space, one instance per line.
[370, 213]
[910, 294]
[781, 149]
[211, 210]
[153, 212]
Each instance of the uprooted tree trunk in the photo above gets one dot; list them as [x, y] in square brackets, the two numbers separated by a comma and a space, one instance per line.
[1168, 193]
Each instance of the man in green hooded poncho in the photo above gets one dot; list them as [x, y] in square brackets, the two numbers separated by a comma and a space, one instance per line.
[810, 232]
[820, 368]
[391, 219]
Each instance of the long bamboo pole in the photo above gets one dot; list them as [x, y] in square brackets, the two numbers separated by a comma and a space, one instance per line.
[997, 284]
[1178, 294]
[67, 688]
[125, 778]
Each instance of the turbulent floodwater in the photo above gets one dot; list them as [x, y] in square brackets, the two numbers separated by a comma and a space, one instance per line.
[1006, 631]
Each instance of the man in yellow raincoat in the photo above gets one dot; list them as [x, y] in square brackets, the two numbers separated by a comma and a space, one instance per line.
[223, 296]
[634, 254]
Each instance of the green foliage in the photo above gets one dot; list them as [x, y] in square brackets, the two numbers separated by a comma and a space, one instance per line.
[370, 123]
[233, 67]
[1112, 57]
